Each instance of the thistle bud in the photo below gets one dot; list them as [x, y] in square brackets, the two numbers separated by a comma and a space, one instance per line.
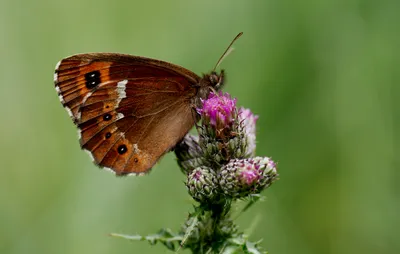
[189, 154]
[248, 125]
[239, 178]
[202, 184]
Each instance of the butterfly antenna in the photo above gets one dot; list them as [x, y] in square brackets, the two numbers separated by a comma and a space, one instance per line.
[227, 51]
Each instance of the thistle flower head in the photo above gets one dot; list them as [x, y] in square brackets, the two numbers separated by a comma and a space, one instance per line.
[241, 177]
[221, 138]
[202, 184]
[219, 110]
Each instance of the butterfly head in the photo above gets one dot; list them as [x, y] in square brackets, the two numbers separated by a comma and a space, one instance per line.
[212, 82]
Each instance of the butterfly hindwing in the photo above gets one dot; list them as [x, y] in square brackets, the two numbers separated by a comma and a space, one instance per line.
[130, 110]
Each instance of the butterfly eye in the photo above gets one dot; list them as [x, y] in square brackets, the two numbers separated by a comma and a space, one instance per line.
[214, 78]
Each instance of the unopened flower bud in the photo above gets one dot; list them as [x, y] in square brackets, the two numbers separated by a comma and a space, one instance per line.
[189, 154]
[248, 123]
[202, 184]
[239, 178]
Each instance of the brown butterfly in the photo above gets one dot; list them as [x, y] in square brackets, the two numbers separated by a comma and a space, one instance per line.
[131, 110]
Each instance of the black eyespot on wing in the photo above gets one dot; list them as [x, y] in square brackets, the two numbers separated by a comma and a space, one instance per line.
[107, 117]
[122, 149]
[92, 79]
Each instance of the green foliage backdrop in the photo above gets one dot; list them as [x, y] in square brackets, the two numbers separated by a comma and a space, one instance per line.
[323, 76]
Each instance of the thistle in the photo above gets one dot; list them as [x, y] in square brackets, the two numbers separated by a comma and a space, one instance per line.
[222, 136]
[240, 178]
[220, 168]
[248, 123]
[189, 154]
[202, 184]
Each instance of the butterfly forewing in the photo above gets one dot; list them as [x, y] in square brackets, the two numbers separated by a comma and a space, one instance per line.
[130, 110]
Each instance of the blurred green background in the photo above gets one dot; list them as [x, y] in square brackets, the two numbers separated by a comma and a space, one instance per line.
[323, 76]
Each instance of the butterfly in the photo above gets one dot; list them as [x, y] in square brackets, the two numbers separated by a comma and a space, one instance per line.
[131, 110]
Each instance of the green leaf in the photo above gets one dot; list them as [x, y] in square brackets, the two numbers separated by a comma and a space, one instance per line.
[240, 244]
[237, 241]
[230, 250]
[253, 198]
[129, 237]
[252, 248]
[165, 236]
[189, 229]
